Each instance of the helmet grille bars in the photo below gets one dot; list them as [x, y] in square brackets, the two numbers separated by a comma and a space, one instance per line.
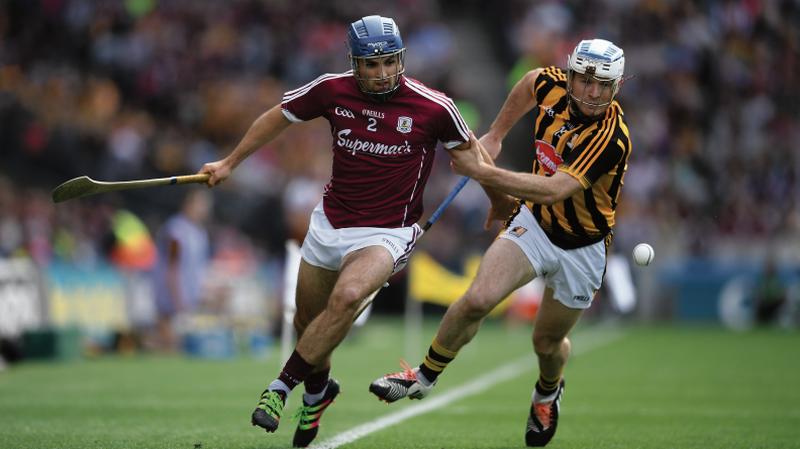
[376, 37]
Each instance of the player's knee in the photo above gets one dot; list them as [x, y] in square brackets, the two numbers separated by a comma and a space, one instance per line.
[346, 299]
[475, 306]
[547, 346]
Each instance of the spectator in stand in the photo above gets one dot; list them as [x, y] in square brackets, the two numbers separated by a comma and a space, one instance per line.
[183, 248]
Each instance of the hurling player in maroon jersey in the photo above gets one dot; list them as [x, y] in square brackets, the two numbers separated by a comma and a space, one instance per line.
[385, 128]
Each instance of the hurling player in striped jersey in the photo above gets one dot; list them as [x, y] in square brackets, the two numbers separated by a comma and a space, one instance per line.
[385, 129]
[560, 228]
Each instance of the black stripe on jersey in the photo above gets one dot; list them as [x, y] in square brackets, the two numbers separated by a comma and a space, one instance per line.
[572, 219]
[543, 88]
[537, 211]
[598, 143]
[567, 150]
[548, 119]
[598, 218]
[562, 104]
[555, 227]
[613, 190]
[535, 158]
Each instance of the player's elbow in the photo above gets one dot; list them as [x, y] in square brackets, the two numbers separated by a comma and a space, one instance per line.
[547, 199]
[549, 196]
[557, 188]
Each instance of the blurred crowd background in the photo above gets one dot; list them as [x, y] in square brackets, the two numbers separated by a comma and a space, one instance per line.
[141, 88]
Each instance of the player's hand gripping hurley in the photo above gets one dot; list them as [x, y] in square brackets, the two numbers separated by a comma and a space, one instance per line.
[434, 216]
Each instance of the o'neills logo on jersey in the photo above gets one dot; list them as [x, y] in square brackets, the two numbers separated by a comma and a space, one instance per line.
[547, 157]
[365, 146]
[371, 113]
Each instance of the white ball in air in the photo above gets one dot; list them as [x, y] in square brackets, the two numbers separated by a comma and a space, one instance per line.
[643, 254]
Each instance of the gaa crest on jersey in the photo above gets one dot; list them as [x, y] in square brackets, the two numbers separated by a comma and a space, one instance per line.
[404, 124]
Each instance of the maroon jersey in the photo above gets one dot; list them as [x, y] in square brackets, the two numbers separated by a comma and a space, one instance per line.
[382, 152]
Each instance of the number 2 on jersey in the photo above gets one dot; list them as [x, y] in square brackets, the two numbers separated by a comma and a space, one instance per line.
[373, 125]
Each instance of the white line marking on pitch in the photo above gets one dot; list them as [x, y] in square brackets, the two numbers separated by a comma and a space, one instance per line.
[488, 380]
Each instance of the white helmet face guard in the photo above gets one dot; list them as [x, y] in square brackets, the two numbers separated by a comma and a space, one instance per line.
[393, 78]
[608, 88]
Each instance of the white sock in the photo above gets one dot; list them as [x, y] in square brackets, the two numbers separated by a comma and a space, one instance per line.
[421, 378]
[309, 398]
[278, 384]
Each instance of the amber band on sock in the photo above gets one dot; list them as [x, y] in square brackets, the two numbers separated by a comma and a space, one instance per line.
[546, 386]
[436, 361]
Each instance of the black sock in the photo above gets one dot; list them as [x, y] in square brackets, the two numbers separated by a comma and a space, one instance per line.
[317, 381]
[295, 370]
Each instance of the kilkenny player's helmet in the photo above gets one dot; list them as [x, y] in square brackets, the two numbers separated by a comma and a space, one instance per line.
[600, 59]
[376, 37]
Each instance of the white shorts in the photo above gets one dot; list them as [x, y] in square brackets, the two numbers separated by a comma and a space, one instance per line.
[326, 246]
[575, 275]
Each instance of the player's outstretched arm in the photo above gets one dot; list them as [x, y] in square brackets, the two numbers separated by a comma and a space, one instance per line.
[519, 101]
[265, 128]
[544, 190]
[501, 204]
[473, 144]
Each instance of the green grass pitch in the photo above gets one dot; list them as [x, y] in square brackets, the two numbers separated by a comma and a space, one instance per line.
[650, 387]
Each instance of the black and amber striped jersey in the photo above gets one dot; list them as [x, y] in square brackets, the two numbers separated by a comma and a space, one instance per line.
[595, 153]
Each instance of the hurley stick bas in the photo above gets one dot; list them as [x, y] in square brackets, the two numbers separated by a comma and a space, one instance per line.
[85, 186]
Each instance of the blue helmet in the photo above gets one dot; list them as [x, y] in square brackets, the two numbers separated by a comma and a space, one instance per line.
[376, 37]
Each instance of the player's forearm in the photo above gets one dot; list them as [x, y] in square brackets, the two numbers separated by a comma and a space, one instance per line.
[494, 194]
[265, 128]
[529, 187]
[519, 101]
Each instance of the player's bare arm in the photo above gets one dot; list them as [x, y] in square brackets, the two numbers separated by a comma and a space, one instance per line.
[265, 128]
[518, 103]
[544, 190]
[502, 204]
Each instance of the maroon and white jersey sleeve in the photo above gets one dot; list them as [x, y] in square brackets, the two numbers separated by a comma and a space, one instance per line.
[382, 151]
[309, 101]
[454, 130]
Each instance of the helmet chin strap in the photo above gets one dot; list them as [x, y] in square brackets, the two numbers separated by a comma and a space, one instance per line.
[582, 117]
[383, 95]
[363, 82]
[588, 103]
